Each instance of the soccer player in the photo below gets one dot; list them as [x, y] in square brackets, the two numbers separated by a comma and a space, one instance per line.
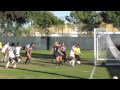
[60, 54]
[63, 48]
[72, 55]
[29, 53]
[18, 48]
[18, 57]
[55, 52]
[4, 51]
[0, 45]
[11, 55]
[77, 52]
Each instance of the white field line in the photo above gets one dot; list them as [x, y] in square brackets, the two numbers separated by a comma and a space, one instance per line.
[92, 73]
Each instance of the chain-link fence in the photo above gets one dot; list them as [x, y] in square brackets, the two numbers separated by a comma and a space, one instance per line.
[86, 42]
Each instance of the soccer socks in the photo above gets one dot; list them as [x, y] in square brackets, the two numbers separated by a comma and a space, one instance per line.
[29, 61]
[26, 61]
[13, 61]
[14, 66]
[72, 62]
[7, 64]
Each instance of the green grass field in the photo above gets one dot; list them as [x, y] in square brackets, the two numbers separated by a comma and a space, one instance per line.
[40, 68]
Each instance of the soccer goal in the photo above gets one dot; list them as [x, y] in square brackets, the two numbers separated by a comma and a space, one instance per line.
[106, 47]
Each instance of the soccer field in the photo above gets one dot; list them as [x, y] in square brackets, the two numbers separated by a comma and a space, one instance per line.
[40, 68]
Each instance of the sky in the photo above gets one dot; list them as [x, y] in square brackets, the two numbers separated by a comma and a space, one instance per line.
[62, 14]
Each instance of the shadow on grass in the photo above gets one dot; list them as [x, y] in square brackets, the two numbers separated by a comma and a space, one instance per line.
[45, 56]
[42, 61]
[51, 73]
[114, 71]
[87, 62]
[112, 68]
[41, 64]
[37, 71]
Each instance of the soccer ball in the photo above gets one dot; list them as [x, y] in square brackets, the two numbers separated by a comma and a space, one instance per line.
[19, 60]
[115, 77]
[78, 62]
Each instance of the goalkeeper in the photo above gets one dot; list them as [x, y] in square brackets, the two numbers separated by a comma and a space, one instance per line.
[77, 52]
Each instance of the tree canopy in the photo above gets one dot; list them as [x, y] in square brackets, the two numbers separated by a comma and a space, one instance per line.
[12, 21]
[112, 17]
[93, 19]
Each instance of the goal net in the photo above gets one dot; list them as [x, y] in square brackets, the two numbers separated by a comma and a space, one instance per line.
[106, 50]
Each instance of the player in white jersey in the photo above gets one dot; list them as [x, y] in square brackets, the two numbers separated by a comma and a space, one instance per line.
[18, 48]
[17, 54]
[11, 55]
[4, 49]
[28, 52]
[72, 55]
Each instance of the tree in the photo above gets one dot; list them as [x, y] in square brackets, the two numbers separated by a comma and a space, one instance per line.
[44, 19]
[112, 17]
[91, 19]
[12, 21]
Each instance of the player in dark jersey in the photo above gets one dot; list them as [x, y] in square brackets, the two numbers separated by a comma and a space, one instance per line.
[56, 52]
[63, 48]
[28, 52]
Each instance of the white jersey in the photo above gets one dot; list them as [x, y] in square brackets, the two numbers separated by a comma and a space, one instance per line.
[18, 48]
[72, 51]
[28, 47]
[73, 48]
[4, 48]
[11, 52]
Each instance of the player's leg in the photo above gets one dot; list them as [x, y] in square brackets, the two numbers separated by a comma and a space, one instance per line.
[4, 56]
[72, 62]
[9, 61]
[28, 58]
[15, 63]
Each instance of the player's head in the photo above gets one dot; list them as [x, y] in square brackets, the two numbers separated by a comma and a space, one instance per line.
[60, 43]
[13, 44]
[32, 45]
[74, 44]
[18, 44]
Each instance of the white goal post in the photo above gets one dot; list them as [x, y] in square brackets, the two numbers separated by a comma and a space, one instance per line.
[105, 49]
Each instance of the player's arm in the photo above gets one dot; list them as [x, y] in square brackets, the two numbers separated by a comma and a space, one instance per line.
[20, 47]
[27, 49]
[75, 51]
[59, 50]
[65, 47]
[80, 52]
[52, 51]
[30, 51]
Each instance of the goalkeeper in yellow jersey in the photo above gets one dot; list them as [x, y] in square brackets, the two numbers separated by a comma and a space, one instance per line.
[0, 45]
[77, 52]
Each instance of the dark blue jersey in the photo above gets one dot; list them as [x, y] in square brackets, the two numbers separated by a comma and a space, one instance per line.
[55, 48]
